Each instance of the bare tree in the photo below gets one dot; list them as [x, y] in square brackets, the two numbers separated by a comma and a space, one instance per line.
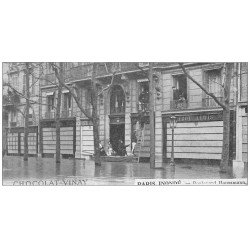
[151, 115]
[26, 124]
[226, 85]
[60, 76]
[95, 119]
[93, 101]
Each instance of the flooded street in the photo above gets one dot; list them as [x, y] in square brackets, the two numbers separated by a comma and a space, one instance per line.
[110, 173]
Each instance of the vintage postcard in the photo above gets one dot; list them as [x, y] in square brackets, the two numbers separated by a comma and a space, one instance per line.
[124, 123]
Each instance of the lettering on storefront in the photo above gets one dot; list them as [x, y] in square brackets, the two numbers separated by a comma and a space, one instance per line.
[198, 117]
[87, 123]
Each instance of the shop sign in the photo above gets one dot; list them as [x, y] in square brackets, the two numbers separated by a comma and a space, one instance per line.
[200, 117]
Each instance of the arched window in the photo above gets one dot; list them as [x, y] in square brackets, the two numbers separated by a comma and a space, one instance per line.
[117, 100]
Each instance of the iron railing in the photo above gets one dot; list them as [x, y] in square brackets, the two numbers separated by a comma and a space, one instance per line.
[49, 115]
[143, 107]
[179, 104]
[117, 110]
[64, 114]
[67, 113]
[13, 124]
[83, 72]
[209, 102]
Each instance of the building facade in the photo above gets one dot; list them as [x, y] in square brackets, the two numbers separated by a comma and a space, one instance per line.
[14, 94]
[123, 110]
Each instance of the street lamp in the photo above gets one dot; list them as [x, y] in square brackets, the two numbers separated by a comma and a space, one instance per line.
[173, 123]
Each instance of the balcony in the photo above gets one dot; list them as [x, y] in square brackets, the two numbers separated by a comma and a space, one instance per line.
[117, 110]
[64, 114]
[143, 107]
[78, 73]
[208, 102]
[178, 104]
[13, 124]
[67, 113]
[83, 72]
[49, 115]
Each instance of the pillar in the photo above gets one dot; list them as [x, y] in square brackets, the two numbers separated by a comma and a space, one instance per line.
[78, 138]
[238, 164]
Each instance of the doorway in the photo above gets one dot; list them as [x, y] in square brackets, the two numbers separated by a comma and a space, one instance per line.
[117, 132]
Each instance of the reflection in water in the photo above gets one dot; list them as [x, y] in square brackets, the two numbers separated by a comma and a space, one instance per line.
[74, 168]
[172, 172]
[58, 169]
[26, 168]
[224, 175]
[160, 173]
[119, 170]
[97, 171]
[39, 168]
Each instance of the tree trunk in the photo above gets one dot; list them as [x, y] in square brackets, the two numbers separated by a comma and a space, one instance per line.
[95, 118]
[26, 125]
[152, 116]
[58, 111]
[224, 165]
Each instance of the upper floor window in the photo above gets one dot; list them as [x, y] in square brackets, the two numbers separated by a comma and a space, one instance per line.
[117, 100]
[12, 119]
[48, 68]
[179, 92]
[88, 104]
[67, 101]
[51, 102]
[31, 84]
[14, 81]
[143, 98]
[212, 81]
[13, 116]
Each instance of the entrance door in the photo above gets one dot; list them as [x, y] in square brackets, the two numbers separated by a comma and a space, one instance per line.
[117, 132]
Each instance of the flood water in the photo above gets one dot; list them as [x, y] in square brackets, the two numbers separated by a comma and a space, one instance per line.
[110, 173]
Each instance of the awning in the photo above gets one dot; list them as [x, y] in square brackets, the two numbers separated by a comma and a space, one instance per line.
[65, 91]
[50, 93]
[143, 80]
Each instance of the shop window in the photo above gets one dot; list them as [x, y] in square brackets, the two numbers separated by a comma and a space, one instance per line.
[117, 100]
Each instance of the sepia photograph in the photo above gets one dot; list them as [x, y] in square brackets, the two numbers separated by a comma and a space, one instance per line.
[124, 123]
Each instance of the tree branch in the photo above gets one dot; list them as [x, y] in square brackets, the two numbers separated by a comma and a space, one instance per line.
[109, 86]
[23, 96]
[71, 92]
[142, 70]
[204, 89]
